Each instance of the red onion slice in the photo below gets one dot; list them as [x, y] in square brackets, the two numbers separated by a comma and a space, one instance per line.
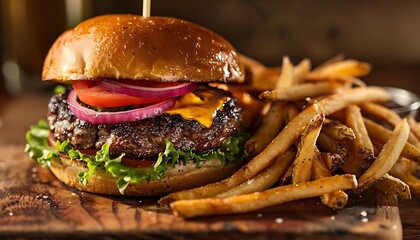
[95, 117]
[146, 91]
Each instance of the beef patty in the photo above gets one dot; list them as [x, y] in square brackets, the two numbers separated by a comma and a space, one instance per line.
[144, 138]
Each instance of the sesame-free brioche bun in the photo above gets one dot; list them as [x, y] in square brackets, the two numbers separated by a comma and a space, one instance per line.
[123, 46]
[177, 178]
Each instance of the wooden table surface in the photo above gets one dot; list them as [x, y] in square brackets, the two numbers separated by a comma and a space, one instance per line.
[18, 113]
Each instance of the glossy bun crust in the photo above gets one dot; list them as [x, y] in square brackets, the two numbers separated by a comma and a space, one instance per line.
[133, 47]
[176, 179]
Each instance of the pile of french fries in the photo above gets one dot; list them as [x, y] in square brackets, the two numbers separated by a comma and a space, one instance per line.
[323, 133]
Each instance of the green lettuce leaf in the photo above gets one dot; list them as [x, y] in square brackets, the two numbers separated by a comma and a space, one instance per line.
[231, 151]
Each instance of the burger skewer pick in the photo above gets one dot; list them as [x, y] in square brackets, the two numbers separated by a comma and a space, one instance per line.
[146, 8]
[138, 116]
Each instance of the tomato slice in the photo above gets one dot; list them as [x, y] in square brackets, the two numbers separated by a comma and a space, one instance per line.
[138, 163]
[91, 93]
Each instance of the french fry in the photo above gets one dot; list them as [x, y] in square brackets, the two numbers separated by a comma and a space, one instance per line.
[259, 77]
[354, 96]
[362, 144]
[339, 69]
[329, 144]
[403, 167]
[353, 164]
[361, 153]
[393, 186]
[270, 126]
[302, 165]
[283, 141]
[259, 200]
[272, 122]
[349, 80]
[332, 161]
[250, 63]
[387, 157]
[265, 179]
[300, 71]
[381, 113]
[301, 91]
[338, 58]
[338, 115]
[337, 130]
[287, 176]
[382, 134]
[286, 78]
[289, 112]
[413, 182]
[414, 127]
[334, 200]
[386, 115]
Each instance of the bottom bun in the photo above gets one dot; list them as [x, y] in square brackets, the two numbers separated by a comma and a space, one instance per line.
[176, 179]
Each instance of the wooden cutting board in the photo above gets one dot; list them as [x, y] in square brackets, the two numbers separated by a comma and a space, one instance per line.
[33, 204]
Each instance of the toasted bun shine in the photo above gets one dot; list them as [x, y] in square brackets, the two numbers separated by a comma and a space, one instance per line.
[133, 47]
[176, 179]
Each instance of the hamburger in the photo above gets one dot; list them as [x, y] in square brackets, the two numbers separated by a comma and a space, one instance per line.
[137, 115]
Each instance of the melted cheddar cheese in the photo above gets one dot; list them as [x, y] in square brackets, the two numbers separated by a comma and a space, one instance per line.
[200, 105]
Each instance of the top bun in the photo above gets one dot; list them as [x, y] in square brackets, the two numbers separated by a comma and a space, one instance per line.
[132, 47]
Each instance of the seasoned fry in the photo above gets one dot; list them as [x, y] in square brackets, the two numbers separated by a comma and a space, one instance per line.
[283, 141]
[338, 115]
[287, 176]
[270, 126]
[381, 113]
[301, 91]
[353, 164]
[354, 96]
[414, 126]
[362, 144]
[361, 154]
[382, 134]
[387, 157]
[403, 167]
[264, 179]
[334, 200]
[260, 77]
[319, 169]
[289, 112]
[286, 76]
[339, 69]
[250, 63]
[302, 165]
[338, 58]
[393, 186]
[301, 70]
[413, 182]
[332, 145]
[332, 161]
[337, 130]
[272, 122]
[350, 80]
[259, 200]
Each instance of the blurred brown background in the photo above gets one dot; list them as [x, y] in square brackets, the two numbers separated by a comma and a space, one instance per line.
[385, 33]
